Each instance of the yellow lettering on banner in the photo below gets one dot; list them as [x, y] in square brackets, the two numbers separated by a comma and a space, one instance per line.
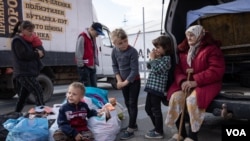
[2, 27]
[45, 18]
[57, 3]
[43, 35]
[39, 26]
[44, 1]
[47, 15]
[12, 14]
[60, 3]
[53, 28]
[44, 9]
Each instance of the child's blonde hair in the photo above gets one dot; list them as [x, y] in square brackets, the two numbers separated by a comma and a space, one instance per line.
[78, 85]
[118, 33]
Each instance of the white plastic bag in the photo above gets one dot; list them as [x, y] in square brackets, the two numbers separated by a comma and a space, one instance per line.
[54, 126]
[120, 111]
[105, 130]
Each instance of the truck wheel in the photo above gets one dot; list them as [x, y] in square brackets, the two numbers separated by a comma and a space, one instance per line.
[113, 82]
[47, 87]
[7, 93]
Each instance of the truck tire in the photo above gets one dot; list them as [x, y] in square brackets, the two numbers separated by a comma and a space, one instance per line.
[7, 93]
[47, 87]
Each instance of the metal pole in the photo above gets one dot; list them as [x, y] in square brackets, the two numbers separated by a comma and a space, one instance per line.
[162, 16]
[144, 48]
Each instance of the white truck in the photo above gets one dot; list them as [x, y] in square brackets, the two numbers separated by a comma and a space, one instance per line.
[58, 23]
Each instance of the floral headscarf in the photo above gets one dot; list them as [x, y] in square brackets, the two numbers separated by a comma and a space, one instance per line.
[198, 31]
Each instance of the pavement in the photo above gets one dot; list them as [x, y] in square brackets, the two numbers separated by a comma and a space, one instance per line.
[209, 131]
[143, 121]
[144, 124]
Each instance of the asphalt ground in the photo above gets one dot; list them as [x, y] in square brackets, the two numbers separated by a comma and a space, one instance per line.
[210, 130]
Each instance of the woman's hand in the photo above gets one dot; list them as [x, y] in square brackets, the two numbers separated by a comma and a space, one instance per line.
[40, 52]
[121, 84]
[186, 86]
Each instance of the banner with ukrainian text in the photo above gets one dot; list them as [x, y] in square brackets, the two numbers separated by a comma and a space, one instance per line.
[10, 14]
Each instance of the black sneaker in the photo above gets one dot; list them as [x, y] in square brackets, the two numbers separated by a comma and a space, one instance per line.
[152, 130]
[154, 135]
[127, 135]
[125, 128]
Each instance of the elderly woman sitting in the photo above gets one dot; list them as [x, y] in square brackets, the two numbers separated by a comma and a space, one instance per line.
[200, 53]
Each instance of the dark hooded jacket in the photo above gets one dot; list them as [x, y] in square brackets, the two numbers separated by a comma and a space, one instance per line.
[26, 61]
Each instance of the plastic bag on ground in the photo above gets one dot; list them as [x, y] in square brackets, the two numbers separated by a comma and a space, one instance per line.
[25, 129]
[105, 130]
[120, 111]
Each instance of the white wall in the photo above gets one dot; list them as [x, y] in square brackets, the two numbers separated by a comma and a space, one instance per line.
[139, 45]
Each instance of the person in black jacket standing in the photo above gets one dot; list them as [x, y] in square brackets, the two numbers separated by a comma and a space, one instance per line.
[26, 64]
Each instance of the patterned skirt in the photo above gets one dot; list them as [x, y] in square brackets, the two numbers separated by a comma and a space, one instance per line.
[196, 114]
